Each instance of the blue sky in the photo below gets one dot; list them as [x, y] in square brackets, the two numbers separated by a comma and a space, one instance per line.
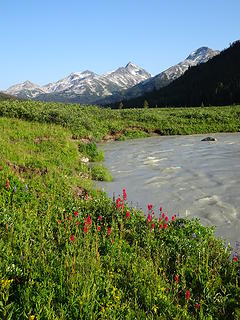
[44, 41]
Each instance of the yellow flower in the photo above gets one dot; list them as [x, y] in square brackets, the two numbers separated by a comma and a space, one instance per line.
[31, 317]
[6, 283]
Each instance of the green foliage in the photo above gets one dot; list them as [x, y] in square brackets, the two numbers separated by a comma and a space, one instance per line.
[100, 173]
[90, 150]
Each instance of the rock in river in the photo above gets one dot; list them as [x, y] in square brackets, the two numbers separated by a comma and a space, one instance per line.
[209, 139]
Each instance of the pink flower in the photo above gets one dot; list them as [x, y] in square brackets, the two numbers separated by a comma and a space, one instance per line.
[0, 168]
[75, 213]
[166, 218]
[100, 218]
[165, 226]
[187, 294]
[149, 217]
[72, 238]
[149, 206]
[70, 218]
[128, 214]
[77, 223]
[176, 278]
[196, 306]
[160, 226]
[85, 229]
[235, 258]
[173, 218]
[161, 209]
[163, 215]
[98, 228]
[153, 225]
[108, 231]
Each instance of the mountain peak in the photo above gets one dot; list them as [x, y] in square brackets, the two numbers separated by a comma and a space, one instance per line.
[131, 65]
[202, 53]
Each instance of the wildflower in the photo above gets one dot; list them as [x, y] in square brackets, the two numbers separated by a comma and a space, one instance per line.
[72, 238]
[85, 229]
[128, 214]
[100, 218]
[7, 185]
[59, 221]
[69, 218]
[166, 218]
[165, 226]
[187, 294]
[98, 228]
[124, 195]
[161, 226]
[149, 217]
[26, 187]
[176, 278]
[75, 213]
[118, 202]
[173, 218]
[15, 189]
[163, 215]
[112, 241]
[153, 225]
[149, 207]
[6, 282]
[77, 223]
[161, 209]
[235, 258]
[194, 235]
[0, 168]
[89, 221]
[108, 230]
[159, 219]
[32, 317]
[197, 306]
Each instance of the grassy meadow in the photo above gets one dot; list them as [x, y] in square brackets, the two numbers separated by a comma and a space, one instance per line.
[67, 251]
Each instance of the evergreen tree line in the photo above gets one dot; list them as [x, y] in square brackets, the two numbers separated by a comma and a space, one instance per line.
[216, 82]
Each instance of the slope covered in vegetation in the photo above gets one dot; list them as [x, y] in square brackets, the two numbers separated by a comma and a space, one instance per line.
[67, 251]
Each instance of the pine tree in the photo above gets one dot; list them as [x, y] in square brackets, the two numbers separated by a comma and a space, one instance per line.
[145, 105]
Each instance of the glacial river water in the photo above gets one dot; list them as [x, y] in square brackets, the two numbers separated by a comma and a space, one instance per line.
[183, 175]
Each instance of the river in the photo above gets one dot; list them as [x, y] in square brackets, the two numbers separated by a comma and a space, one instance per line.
[183, 175]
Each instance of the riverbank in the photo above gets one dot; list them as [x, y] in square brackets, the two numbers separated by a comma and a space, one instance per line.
[69, 252]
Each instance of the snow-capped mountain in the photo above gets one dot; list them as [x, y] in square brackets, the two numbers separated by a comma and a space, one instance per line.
[200, 55]
[82, 87]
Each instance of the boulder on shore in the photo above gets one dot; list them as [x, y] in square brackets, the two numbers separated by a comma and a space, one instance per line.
[209, 139]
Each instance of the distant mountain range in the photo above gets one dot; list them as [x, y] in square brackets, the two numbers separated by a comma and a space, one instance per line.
[82, 87]
[124, 83]
[201, 55]
[215, 82]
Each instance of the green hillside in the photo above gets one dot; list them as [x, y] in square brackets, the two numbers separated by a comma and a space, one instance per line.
[67, 251]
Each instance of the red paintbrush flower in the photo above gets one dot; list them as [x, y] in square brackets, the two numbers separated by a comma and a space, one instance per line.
[235, 258]
[161, 209]
[100, 218]
[149, 207]
[59, 221]
[166, 218]
[124, 195]
[77, 223]
[98, 228]
[149, 217]
[7, 185]
[176, 278]
[173, 218]
[85, 229]
[89, 221]
[108, 231]
[153, 225]
[187, 294]
[165, 226]
[128, 214]
[196, 306]
[72, 238]
[160, 226]
[75, 213]
[163, 215]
